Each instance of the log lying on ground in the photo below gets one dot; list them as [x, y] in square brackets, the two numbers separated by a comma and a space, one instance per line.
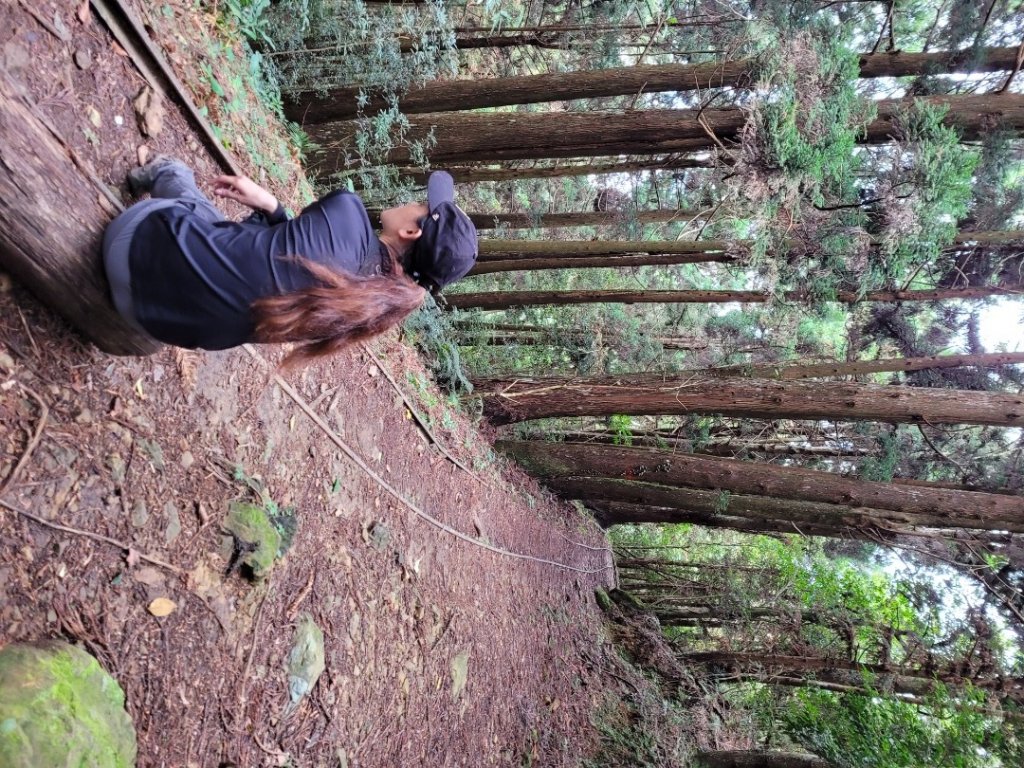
[53, 218]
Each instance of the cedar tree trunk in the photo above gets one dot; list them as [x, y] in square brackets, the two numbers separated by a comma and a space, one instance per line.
[52, 217]
[509, 401]
[459, 95]
[493, 136]
[853, 502]
[507, 299]
[738, 758]
[572, 219]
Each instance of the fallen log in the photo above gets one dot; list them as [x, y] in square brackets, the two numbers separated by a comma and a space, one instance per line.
[53, 216]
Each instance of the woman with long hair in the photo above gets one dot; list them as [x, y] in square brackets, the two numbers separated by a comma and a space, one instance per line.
[184, 275]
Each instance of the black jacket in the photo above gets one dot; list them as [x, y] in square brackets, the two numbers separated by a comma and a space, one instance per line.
[193, 282]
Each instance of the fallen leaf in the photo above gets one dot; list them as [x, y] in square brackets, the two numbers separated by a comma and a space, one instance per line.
[83, 12]
[202, 580]
[148, 575]
[460, 672]
[162, 607]
[60, 27]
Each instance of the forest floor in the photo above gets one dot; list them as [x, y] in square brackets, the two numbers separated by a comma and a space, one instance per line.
[439, 650]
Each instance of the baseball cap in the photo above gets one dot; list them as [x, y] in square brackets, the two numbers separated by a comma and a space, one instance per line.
[447, 249]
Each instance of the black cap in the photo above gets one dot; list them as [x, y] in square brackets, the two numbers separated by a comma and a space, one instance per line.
[447, 249]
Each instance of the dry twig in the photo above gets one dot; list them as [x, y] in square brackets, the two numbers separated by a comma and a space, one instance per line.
[94, 536]
[44, 415]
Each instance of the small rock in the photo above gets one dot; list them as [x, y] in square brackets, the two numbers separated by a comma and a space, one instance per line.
[173, 529]
[15, 56]
[140, 515]
[117, 468]
[378, 536]
[305, 662]
[83, 59]
[149, 110]
[154, 451]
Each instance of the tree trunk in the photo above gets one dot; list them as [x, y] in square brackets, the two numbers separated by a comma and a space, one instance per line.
[609, 513]
[793, 371]
[487, 267]
[889, 678]
[851, 501]
[53, 216]
[572, 219]
[492, 300]
[459, 95]
[500, 250]
[507, 401]
[473, 174]
[738, 758]
[718, 447]
[492, 136]
[624, 502]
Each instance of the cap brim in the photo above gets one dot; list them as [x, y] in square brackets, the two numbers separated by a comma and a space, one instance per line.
[440, 189]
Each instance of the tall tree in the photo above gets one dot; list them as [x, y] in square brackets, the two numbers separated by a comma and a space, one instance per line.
[446, 96]
[511, 400]
[508, 299]
[850, 499]
[572, 219]
[492, 136]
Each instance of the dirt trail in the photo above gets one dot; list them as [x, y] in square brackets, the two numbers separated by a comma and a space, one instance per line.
[150, 452]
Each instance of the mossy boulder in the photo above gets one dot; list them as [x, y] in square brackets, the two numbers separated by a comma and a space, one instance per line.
[259, 540]
[60, 709]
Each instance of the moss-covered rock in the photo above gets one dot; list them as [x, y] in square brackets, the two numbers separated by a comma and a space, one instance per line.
[60, 709]
[251, 527]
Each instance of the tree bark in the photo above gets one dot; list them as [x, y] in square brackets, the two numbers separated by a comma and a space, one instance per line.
[508, 401]
[53, 216]
[890, 678]
[502, 250]
[624, 502]
[486, 267]
[850, 501]
[571, 219]
[493, 136]
[492, 300]
[459, 95]
[794, 371]
[473, 174]
[609, 513]
[736, 758]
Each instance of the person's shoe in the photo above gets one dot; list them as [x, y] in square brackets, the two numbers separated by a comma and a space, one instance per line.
[141, 179]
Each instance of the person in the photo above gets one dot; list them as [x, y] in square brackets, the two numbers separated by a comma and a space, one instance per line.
[183, 274]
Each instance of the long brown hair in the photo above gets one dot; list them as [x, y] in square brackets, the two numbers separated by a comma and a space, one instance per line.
[341, 311]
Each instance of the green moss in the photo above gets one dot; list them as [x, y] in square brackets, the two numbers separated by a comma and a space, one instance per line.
[252, 527]
[59, 708]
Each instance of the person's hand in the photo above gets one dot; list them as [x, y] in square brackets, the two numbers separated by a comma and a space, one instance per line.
[245, 191]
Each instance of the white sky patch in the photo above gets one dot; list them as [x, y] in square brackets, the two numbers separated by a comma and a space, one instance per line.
[1003, 323]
